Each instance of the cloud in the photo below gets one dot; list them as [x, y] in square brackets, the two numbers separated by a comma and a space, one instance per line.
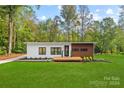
[97, 10]
[115, 18]
[109, 11]
[96, 16]
[59, 7]
[42, 18]
[119, 9]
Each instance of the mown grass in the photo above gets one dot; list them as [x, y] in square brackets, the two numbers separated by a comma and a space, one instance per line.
[64, 75]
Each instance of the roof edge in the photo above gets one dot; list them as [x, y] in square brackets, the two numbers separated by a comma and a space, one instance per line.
[59, 42]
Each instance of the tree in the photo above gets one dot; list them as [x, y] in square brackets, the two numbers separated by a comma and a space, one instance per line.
[121, 18]
[49, 30]
[9, 11]
[25, 28]
[20, 25]
[57, 20]
[42, 33]
[119, 39]
[86, 18]
[97, 35]
[107, 34]
[68, 13]
[3, 34]
[56, 26]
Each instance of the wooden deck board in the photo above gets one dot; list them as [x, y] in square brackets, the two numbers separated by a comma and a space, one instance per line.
[67, 59]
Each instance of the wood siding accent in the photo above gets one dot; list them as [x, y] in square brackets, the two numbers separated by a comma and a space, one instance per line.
[81, 50]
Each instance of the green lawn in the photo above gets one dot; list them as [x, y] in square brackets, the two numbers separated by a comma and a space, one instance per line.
[53, 74]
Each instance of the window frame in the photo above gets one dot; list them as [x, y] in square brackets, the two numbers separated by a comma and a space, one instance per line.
[55, 50]
[84, 49]
[42, 51]
[75, 49]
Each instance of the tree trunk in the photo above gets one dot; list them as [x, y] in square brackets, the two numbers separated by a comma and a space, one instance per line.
[14, 37]
[10, 31]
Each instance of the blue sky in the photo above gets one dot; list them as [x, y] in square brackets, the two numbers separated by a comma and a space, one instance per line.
[98, 11]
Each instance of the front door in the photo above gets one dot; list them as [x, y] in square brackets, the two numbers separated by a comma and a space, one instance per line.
[66, 50]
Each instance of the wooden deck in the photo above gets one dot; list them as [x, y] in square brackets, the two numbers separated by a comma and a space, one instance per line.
[67, 59]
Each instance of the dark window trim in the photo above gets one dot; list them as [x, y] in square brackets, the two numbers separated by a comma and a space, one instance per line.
[56, 50]
[80, 49]
[83, 49]
[42, 52]
[75, 49]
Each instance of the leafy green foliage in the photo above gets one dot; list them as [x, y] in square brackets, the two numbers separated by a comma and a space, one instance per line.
[2, 52]
[17, 24]
[121, 17]
[68, 13]
[72, 25]
[19, 48]
[86, 19]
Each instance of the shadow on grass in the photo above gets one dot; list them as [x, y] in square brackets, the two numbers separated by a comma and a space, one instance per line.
[99, 60]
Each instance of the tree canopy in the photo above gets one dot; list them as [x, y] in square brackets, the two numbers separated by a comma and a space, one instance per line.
[18, 24]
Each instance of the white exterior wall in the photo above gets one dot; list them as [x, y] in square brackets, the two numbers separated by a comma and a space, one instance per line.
[33, 49]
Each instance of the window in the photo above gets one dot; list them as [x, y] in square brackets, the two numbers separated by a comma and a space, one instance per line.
[83, 49]
[42, 50]
[75, 49]
[79, 49]
[55, 50]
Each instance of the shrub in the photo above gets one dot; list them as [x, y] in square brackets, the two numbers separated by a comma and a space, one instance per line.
[19, 48]
[114, 50]
[2, 52]
[17, 51]
[122, 53]
[108, 51]
[87, 58]
[84, 58]
[91, 58]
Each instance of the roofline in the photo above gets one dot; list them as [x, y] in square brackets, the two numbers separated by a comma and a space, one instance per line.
[60, 42]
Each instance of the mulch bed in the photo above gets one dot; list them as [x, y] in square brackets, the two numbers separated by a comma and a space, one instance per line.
[3, 57]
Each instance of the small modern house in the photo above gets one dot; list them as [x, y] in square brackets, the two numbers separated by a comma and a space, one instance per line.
[59, 49]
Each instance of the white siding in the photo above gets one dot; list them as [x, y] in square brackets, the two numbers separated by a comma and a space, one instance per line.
[33, 49]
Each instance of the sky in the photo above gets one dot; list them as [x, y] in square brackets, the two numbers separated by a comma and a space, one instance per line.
[99, 11]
